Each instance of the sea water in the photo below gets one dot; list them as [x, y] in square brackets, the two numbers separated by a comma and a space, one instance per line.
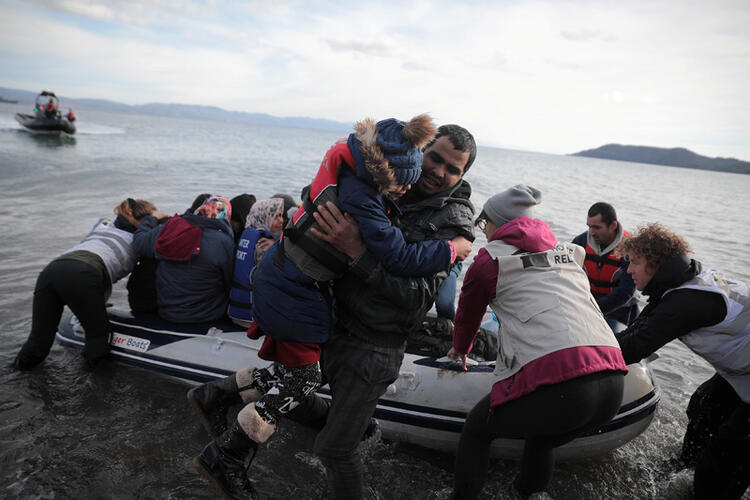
[122, 432]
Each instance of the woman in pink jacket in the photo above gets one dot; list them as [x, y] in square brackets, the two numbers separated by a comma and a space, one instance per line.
[559, 371]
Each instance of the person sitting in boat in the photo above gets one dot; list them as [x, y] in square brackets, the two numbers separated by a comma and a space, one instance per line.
[291, 298]
[556, 353]
[611, 285]
[198, 201]
[141, 284]
[195, 253]
[262, 227]
[241, 205]
[70, 116]
[710, 313]
[82, 279]
[290, 206]
[50, 109]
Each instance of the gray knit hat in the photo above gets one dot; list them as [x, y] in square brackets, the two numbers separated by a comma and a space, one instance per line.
[511, 203]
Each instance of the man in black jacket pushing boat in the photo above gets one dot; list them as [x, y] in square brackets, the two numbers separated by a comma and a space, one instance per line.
[375, 311]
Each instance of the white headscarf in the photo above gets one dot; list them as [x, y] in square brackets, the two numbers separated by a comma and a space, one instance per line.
[263, 213]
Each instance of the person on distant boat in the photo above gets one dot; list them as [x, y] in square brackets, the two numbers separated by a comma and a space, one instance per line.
[50, 109]
[611, 285]
[291, 287]
[710, 313]
[195, 252]
[241, 205]
[262, 227]
[82, 279]
[556, 354]
[71, 117]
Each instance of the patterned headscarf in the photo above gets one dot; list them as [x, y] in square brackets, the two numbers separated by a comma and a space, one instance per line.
[216, 207]
[263, 212]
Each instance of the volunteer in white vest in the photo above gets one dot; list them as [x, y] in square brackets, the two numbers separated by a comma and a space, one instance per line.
[710, 313]
[82, 279]
[556, 354]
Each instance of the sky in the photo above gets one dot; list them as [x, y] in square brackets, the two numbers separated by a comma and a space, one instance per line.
[551, 76]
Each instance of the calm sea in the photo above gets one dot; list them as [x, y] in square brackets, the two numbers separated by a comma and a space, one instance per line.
[125, 433]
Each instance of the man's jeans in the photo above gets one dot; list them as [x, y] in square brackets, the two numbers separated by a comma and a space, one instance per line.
[358, 374]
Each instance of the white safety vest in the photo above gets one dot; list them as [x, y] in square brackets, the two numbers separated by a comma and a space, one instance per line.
[544, 304]
[114, 246]
[725, 345]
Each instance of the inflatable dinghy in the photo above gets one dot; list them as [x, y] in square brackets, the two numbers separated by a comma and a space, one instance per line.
[426, 406]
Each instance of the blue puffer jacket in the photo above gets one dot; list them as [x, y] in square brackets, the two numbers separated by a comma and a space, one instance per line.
[196, 289]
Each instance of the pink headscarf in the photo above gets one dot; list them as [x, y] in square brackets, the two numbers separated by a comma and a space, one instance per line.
[216, 207]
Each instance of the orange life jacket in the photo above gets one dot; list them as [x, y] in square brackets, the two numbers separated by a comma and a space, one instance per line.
[601, 269]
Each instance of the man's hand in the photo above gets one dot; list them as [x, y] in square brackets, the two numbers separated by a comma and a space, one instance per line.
[456, 356]
[338, 230]
[463, 247]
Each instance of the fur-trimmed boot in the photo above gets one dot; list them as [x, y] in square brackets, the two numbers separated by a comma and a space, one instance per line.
[211, 401]
[222, 463]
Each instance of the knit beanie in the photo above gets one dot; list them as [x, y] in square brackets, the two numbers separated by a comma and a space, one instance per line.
[513, 202]
[400, 143]
[216, 207]
[241, 205]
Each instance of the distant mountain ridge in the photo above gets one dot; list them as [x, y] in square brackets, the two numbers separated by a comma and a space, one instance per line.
[673, 157]
[184, 111]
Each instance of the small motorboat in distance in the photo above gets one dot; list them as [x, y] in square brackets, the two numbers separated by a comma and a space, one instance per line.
[47, 117]
[426, 405]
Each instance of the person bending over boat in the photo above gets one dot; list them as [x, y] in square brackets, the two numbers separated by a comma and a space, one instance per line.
[291, 296]
[556, 353]
[82, 279]
[262, 227]
[195, 252]
[710, 313]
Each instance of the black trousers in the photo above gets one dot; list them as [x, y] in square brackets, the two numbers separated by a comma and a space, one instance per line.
[549, 417]
[717, 441]
[80, 286]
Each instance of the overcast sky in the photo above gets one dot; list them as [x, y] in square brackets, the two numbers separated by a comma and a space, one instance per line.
[550, 76]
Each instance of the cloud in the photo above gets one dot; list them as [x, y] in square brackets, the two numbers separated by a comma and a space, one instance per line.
[581, 35]
[530, 74]
[365, 48]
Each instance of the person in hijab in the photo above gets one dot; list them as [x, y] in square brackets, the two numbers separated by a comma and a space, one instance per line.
[196, 254]
[263, 227]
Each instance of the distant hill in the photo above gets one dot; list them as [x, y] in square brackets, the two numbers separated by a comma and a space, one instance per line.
[674, 157]
[183, 111]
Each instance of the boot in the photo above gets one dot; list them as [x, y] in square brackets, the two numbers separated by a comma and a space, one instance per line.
[211, 402]
[222, 463]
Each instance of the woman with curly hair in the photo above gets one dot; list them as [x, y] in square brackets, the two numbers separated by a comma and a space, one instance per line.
[709, 313]
[82, 279]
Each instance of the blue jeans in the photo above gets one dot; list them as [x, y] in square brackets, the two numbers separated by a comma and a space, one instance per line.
[358, 374]
[446, 297]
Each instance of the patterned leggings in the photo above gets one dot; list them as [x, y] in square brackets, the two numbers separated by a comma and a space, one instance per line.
[283, 388]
